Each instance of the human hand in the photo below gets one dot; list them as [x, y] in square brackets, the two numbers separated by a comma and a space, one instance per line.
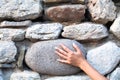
[68, 56]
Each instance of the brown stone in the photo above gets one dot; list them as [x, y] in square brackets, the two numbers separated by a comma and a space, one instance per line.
[78, 1]
[66, 13]
[55, 1]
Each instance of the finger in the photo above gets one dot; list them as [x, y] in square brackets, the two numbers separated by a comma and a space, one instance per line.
[65, 48]
[61, 55]
[63, 61]
[76, 47]
[61, 51]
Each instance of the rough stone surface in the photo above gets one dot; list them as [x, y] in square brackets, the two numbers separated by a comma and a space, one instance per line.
[78, 1]
[20, 10]
[66, 13]
[115, 28]
[1, 75]
[13, 65]
[72, 77]
[118, 11]
[21, 57]
[115, 75]
[85, 31]
[102, 11]
[55, 1]
[104, 58]
[25, 75]
[44, 31]
[15, 24]
[41, 57]
[12, 34]
[8, 51]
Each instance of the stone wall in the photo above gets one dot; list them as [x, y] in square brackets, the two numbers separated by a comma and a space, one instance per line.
[31, 29]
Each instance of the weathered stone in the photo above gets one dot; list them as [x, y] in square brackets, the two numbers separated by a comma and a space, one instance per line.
[85, 31]
[7, 72]
[11, 65]
[102, 11]
[66, 13]
[72, 77]
[115, 28]
[20, 10]
[12, 34]
[104, 58]
[21, 57]
[15, 24]
[8, 51]
[41, 57]
[1, 75]
[25, 75]
[44, 31]
[118, 11]
[115, 75]
[78, 1]
[55, 1]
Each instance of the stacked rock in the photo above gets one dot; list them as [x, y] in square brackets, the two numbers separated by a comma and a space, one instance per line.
[31, 29]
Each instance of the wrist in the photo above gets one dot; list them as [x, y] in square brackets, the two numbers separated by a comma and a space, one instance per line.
[83, 63]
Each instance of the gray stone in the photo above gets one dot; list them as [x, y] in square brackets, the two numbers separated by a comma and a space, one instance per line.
[104, 58]
[12, 34]
[118, 11]
[21, 57]
[102, 11]
[1, 75]
[66, 13]
[15, 24]
[115, 28]
[72, 77]
[8, 51]
[41, 57]
[7, 72]
[20, 10]
[11, 65]
[44, 31]
[115, 75]
[25, 75]
[85, 31]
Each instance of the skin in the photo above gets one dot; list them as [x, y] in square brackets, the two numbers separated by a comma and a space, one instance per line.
[77, 59]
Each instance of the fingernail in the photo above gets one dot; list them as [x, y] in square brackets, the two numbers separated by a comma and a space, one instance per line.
[74, 44]
[56, 48]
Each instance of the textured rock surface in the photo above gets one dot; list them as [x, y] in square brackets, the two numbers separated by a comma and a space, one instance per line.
[15, 24]
[1, 75]
[8, 51]
[25, 75]
[20, 10]
[104, 58]
[85, 31]
[55, 1]
[115, 28]
[12, 34]
[78, 1]
[72, 77]
[102, 11]
[115, 75]
[66, 13]
[41, 57]
[44, 31]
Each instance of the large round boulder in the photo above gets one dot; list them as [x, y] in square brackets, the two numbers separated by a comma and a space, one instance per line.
[41, 57]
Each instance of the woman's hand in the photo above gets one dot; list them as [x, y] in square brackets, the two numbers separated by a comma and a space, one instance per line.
[68, 56]
[76, 58]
